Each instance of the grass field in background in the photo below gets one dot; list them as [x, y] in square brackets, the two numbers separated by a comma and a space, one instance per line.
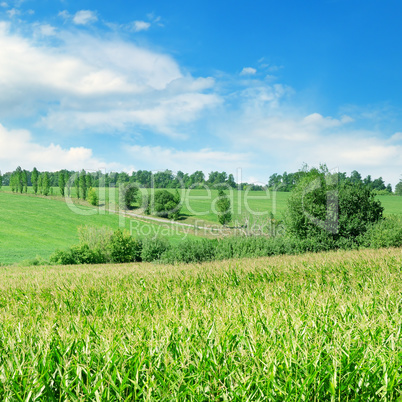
[319, 327]
[33, 226]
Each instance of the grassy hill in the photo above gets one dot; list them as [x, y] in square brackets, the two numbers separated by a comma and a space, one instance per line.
[33, 226]
[313, 327]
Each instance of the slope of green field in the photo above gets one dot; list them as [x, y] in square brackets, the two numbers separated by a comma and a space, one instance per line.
[392, 204]
[33, 226]
[323, 327]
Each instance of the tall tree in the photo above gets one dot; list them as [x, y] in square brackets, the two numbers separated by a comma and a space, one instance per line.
[40, 182]
[34, 179]
[18, 179]
[62, 182]
[77, 184]
[398, 188]
[1, 179]
[88, 181]
[355, 177]
[45, 183]
[24, 175]
[67, 182]
[83, 184]
[223, 208]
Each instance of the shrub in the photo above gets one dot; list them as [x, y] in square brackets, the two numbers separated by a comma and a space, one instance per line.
[386, 233]
[96, 238]
[320, 207]
[123, 247]
[81, 254]
[92, 197]
[163, 204]
[152, 249]
[190, 251]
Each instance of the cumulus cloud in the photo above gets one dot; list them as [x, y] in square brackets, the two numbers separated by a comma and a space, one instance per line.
[45, 30]
[89, 82]
[248, 71]
[18, 145]
[141, 26]
[84, 17]
[287, 141]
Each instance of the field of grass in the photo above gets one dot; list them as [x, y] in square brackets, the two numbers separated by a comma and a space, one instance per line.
[33, 226]
[320, 327]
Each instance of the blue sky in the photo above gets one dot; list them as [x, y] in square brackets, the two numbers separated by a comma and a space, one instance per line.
[190, 85]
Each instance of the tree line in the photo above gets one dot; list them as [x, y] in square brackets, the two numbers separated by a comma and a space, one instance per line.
[44, 182]
[288, 181]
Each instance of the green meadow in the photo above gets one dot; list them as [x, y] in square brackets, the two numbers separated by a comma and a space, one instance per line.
[32, 226]
[316, 327]
[35, 226]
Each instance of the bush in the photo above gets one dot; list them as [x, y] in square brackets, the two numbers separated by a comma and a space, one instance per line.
[123, 247]
[152, 249]
[163, 204]
[190, 251]
[81, 254]
[97, 238]
[386, 233]
[319, 207]
[92, 197]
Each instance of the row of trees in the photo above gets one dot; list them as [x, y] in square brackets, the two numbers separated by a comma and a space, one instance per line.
[144, 178]
[43, 182]
[288, 181]
[20, 179]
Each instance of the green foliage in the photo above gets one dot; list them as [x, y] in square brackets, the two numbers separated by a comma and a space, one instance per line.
[62, 182]
[80, 254]
[322, 208]
[385, 233]
[398, 188]
[163, 204]
[1, 179]
[83, 184]
[123, 247]
[93, 198]
[153, 248]
[45, 183]
[98, 246]
[34, 180]
[223, 208]
[77, 184]
[128, 194]
[24, 176]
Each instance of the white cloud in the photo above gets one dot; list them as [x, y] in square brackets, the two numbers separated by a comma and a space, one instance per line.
[282, 141]
[89, 82]
[141, 26]
[64, 14]
[248, 71]
[3, 4]
[45, 30]
[13, 12]
[18, 147]
[206, 159]
[397, 137]
[84, 17]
